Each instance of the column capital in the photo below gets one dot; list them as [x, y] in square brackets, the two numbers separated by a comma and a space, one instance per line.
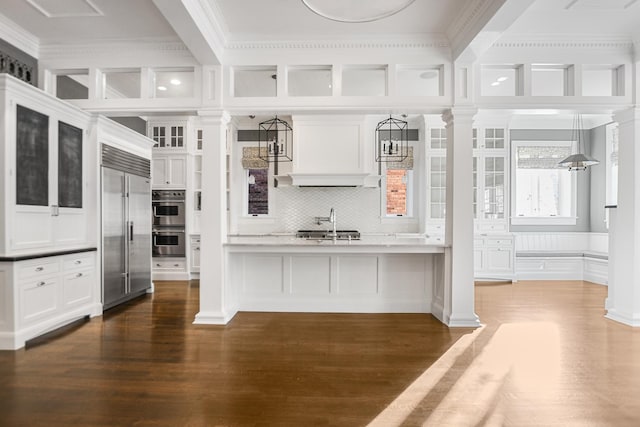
[214, 117]
[459, 114]
[628, 115]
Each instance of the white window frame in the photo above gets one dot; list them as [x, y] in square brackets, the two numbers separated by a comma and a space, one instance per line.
[244, 179]
[412, 192]
[534, 220]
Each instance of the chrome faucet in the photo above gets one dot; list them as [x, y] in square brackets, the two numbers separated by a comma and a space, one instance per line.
[330, 219]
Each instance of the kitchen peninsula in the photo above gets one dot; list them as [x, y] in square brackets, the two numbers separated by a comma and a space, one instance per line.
[377, 273]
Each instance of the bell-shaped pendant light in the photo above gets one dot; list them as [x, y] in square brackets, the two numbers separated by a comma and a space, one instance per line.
[578, 161]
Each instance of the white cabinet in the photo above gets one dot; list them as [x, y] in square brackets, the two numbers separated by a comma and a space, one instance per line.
[490, 190]
[436, 181]
[48, 292]
[169, 136]
[169, 171]
[45, 193]
[494, 256]
[169, 268]
[195, 254]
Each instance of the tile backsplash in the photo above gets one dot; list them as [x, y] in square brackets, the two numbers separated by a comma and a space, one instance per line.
[356, 208]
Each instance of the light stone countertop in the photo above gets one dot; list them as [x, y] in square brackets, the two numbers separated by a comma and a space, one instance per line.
[368, 243]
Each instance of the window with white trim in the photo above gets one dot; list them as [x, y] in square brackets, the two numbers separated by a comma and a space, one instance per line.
[257, 192]
[543, 192]
[398, 193]
[398, 187]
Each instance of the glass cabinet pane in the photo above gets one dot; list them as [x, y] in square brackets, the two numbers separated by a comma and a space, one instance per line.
[494, 188]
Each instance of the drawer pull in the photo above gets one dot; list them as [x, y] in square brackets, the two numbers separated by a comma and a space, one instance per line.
[78, 262]
[176, 265]
[79, 275]
[39, 268]
[40, 284]
[197, 248]
[158, 265]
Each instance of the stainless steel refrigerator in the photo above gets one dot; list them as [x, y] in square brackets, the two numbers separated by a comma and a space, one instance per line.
[126, 235]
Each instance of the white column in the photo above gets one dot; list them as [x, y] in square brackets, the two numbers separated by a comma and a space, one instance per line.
[214, 298]
[457, 303]
[623, 303]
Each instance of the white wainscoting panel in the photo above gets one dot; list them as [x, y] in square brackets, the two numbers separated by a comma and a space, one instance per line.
[311, 275]
[362, 283]
[596, 271]
[263, 274]
[357, 275]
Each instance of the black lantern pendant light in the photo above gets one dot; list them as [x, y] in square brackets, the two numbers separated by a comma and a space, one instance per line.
[275, 141]
[578, 161]
[392, 140]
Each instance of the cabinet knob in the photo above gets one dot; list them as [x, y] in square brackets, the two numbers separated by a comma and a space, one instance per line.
[176, 265]
[40, 284]
[157, 265]
[168, 182]
[79, 275]
[197, 248]
[78, 262]
[39, 268]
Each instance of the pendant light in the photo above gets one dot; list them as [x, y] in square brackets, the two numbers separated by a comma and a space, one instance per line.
[579, 161]
[392, 140]
[275, 141]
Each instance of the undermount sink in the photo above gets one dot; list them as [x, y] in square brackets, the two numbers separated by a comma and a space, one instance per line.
[328, 234]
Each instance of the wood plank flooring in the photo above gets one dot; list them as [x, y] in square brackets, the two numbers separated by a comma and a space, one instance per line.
[546, 356]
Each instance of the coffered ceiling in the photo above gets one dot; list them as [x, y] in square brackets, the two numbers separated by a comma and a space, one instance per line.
[208, 27]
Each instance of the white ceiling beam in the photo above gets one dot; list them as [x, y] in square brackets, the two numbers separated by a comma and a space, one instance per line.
[481, 24]
[199, 27]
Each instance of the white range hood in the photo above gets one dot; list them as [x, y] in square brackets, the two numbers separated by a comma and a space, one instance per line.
[332, 151]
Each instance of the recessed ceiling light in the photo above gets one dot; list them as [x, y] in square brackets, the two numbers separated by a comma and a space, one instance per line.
[495, 84]
[175, 82]
[162, 88]
[501, 79]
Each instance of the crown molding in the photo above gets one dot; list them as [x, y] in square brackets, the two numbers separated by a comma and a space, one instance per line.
[398, 42]
[115, 47]
[574, 41]
[20, 38]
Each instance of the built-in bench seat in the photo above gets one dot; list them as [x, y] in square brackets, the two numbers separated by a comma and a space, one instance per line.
[562, 256]
[554, 254]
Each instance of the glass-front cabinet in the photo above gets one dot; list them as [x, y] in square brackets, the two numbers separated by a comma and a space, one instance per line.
[489, 180]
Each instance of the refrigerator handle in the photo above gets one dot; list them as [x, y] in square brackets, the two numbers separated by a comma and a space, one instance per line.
[131, 231]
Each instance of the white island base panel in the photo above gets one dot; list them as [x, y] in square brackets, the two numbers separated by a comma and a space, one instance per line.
[331, 282]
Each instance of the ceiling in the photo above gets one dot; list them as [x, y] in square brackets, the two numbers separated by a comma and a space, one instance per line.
[82, 21]
[290, 19]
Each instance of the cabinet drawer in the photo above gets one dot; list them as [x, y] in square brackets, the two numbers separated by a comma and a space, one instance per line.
[38, 269]
[72, 262]
[169, 265]
[496, 228]
[500, 242]
[38, 299]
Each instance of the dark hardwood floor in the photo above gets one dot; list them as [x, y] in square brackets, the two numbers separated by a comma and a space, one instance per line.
[546, 356]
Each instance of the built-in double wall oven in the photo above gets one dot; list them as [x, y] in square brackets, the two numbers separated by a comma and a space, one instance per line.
[168, 215]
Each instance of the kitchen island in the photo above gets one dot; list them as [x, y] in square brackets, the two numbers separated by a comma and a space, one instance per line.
[391, 273]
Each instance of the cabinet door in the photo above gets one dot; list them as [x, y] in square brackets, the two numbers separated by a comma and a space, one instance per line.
[77, 288]
[499, 260]
[38, 299]
[178, 172]
[195, 257]
[160, 172]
